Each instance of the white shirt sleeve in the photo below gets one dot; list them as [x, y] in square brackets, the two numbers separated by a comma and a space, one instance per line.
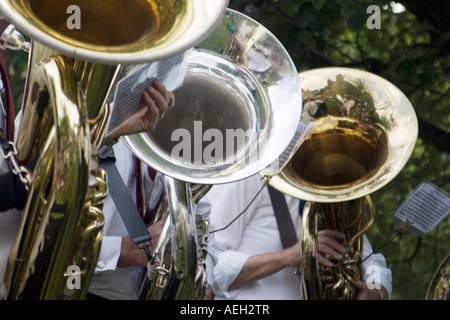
[224, 248]
[375, 269]
[228, 267]
[109, 254]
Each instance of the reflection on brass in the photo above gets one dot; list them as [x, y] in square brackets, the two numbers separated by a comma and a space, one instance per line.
[61, 226]
[340, 156]
[205, 103]
[439, 288]
[353, 218]
[186, 235]
[112, 25]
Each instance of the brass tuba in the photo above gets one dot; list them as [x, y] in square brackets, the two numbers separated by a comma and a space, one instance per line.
[364, 132]
[228, 124]
[77, 50]
[439, 287]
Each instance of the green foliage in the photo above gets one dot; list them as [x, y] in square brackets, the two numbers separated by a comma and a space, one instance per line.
[17, 73]
[411, 51]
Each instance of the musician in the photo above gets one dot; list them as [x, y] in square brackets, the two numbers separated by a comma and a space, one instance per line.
[250, 260]
[13, 194]
[121, 266]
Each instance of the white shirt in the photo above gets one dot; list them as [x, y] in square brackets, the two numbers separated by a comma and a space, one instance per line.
[109, 281]
[256, 232]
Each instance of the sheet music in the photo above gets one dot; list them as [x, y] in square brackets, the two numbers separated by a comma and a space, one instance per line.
[128, 97]
[425, 207]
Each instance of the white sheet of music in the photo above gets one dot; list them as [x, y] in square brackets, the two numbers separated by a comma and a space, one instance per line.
[425, 207]
[128, 97]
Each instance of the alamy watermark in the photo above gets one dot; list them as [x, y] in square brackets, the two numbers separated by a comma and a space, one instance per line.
[374, 20]
[213, 146]
[73, 274]
[74, 20]
[373, 280]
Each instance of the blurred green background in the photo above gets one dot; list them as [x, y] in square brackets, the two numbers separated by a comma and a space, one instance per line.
[411, 50]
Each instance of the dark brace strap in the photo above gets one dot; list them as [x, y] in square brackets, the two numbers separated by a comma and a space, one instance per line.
[284, 221]
[124, 203]
[283, 217]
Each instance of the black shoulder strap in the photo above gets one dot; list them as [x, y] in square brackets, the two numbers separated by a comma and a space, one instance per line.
[124, 203]
[285, 224]
[283, 217]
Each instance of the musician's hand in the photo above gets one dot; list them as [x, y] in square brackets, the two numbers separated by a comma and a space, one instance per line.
[329, 246]
[156, 102]
[131, 255]
[364, 293]
[294, 255]
[209, 295]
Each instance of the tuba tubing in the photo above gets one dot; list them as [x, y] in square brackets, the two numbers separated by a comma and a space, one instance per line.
[165, 279]
[70, 160]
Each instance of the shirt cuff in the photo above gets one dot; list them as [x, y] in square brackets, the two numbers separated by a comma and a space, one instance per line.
[109, 254]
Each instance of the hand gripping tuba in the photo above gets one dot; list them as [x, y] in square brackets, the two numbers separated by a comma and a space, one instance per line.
[365, 131]
[65, 113]
[233, 117]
